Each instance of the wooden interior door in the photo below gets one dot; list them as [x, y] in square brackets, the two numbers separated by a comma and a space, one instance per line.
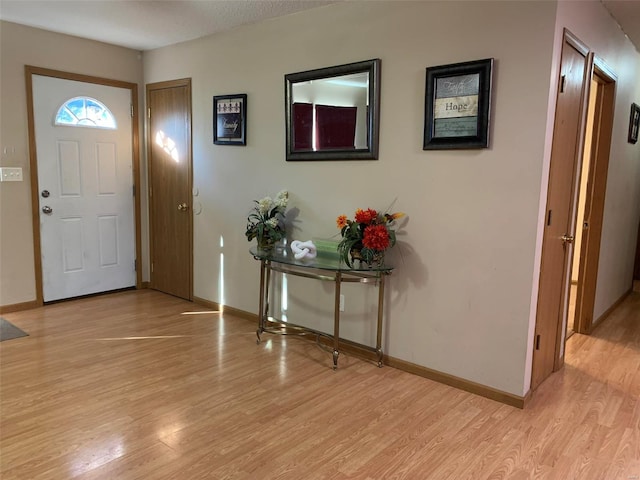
[556, 248]
[596, 189]
[171, 223]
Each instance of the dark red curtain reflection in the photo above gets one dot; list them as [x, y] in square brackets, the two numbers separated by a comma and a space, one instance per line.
[303, 126]
[335, 127]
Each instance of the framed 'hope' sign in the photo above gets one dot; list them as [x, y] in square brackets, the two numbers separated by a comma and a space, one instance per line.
[457, 105]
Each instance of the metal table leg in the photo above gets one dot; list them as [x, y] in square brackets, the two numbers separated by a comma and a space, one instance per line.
[380, 315]
[336, 321]
[264, 297]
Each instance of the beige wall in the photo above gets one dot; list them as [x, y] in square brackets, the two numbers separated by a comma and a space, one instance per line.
[462, 299]
[20, 46]
[459, 300]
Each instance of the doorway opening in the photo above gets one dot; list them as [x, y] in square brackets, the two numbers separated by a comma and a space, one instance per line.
[578, 67]
[590, 205]
[581, 220]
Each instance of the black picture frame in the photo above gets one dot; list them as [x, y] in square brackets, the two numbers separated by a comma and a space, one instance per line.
[230, 119]
[634, 123]
[370, 115]
[457, 105]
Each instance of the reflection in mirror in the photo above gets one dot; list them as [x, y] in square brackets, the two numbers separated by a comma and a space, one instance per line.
[333, 113]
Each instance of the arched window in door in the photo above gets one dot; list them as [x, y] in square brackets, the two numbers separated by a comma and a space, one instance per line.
[85, 112]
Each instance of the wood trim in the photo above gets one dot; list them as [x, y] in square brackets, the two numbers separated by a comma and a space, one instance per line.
[236, 312]
[457, 382]
[610, 310]
[145, 285]
[31, 70]
[33, 167]
[78, 77]
[603, 70]
[18, 307]
[597, 186]
[356, 350]
[137, 199]
[636, 265]
[190, 180]
[575, 42]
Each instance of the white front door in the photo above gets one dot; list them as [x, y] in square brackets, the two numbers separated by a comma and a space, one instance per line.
[85, 189]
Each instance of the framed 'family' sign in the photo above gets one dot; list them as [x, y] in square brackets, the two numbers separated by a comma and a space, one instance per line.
[457, 105]
[634, 123]
[230, 119]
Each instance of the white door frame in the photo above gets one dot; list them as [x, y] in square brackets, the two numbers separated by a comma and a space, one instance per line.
[33, 163]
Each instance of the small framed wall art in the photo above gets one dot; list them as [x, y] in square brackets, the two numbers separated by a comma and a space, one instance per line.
[634, 123]
[230, 119]
[457, 105]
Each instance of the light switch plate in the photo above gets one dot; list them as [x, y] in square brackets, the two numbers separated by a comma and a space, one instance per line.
[10, 174]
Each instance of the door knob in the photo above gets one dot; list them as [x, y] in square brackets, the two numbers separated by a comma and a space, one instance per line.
[47, 209]
[566, 239]
[183, 207]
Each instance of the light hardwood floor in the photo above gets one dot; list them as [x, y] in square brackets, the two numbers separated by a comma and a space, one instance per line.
[141, 385]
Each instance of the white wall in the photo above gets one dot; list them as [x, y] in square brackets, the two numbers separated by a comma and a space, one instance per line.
[459, 300]
[20, 46]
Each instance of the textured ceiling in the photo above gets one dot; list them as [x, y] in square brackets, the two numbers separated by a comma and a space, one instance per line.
[146, 24]
[149, 24]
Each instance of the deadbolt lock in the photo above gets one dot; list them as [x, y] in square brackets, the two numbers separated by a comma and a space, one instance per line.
[183, 207]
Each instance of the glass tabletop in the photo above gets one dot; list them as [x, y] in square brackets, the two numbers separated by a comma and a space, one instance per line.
[324, 260]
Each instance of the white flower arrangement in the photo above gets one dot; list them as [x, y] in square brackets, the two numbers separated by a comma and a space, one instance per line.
[266, 221]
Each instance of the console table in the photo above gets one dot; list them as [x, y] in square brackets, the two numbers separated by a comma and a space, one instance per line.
[325, 267]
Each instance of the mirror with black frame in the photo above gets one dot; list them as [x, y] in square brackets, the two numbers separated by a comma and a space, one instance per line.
[333, 113]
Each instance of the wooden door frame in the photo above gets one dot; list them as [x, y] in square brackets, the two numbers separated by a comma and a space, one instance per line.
[636, 266]
[575, 42]
[183, 82]
[596, 190]
[545, 303]
[29, 71]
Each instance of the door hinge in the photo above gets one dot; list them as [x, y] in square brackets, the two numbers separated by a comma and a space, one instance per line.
[132, 110]
[537, 342]
[563, 79]
[151, 267]
[149, 112]
[549, 218]
[135, 265]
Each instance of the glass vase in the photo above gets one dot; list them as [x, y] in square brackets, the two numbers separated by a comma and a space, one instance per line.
[377, 259]
[265, 244]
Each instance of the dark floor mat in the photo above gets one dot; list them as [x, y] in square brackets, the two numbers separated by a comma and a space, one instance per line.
[9, 331]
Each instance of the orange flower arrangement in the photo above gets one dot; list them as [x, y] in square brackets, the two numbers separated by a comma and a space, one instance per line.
[367, 236]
